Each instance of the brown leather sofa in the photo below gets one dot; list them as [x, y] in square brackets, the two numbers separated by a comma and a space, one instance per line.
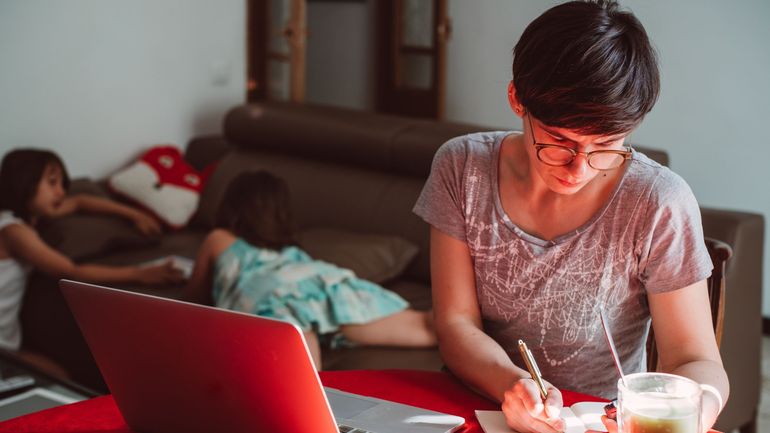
[361, 173]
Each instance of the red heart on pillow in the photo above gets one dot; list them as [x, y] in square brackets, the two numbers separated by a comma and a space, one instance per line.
[162, 182]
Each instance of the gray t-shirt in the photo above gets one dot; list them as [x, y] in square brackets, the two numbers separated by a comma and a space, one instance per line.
[648, 238]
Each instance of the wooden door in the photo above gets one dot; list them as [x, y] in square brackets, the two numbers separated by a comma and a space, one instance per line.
[277, 35]
[412, 44]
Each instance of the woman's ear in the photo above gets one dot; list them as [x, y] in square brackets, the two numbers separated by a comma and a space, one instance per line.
[513, 101]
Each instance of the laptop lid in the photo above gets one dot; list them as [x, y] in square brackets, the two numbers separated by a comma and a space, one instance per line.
[173, 366]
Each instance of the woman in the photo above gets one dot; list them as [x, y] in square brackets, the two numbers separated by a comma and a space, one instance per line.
[534, 232]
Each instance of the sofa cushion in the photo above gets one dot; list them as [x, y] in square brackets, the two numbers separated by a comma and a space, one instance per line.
[378, 141]
[376, 258]
[83, 237]
[417, 293]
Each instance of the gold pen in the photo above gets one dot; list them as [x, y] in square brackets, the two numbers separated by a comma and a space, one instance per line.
[532, 367]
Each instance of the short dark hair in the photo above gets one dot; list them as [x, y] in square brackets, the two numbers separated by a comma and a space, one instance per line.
[256, 207]
[20, 174]
[586, 66]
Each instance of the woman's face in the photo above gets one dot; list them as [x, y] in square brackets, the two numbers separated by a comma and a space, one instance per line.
[50, 192]
[570, 178]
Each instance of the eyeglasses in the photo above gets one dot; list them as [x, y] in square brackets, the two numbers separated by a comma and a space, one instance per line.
[557, 155]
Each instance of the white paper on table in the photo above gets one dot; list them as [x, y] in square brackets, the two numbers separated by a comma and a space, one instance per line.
[578, 418]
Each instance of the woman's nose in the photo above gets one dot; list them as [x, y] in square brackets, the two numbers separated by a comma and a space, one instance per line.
[579, 165]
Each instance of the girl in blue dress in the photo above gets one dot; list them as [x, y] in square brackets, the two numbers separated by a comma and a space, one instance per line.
[251, 263]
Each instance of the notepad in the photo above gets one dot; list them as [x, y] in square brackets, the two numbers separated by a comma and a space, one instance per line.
[579, 417]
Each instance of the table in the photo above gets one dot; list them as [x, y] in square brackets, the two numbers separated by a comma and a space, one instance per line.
[430, 390]
[13, 365]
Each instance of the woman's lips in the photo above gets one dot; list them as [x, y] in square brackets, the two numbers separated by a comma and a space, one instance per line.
[567, 183]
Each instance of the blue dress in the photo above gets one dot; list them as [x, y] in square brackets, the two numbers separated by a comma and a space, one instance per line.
[290, 285]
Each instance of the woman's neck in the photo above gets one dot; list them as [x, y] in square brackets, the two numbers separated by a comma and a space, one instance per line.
[527, 183]
[533, 206]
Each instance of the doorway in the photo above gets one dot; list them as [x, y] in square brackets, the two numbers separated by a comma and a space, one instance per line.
[374, 55]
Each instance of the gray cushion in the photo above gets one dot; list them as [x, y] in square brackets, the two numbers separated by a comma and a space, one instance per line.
[376, 258]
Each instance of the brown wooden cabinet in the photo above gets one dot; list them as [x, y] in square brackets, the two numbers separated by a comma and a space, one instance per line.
[412, 46]
[276, 41]
[411, 38]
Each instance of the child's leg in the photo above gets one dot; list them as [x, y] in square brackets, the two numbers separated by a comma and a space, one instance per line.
[315, 348]
[409, 328]
[45, 364]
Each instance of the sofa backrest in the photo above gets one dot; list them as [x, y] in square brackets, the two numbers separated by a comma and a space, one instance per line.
[346, 169]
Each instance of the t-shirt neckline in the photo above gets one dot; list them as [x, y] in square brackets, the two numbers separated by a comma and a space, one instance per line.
[494, 176]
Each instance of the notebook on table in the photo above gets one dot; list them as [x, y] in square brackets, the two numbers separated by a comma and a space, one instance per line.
[175, 366]
[578, 418]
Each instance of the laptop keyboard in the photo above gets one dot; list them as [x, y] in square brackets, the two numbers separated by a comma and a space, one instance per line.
[348, 429]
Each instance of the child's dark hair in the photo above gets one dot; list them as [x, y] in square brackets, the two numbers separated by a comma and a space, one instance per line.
[20, 174]
[257, 208]
[586, 66]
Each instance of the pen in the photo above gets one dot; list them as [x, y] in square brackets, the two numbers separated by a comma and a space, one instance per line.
[532, 367]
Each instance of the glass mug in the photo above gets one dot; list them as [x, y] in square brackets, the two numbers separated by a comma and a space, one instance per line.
[659, 403]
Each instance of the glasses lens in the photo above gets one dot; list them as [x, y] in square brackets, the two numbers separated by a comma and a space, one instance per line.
[605, 160]
[555, 155]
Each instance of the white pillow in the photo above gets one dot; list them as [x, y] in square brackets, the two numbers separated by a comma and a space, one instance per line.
[162, 182]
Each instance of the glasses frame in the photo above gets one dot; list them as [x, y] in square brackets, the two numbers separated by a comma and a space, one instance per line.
[626, 153]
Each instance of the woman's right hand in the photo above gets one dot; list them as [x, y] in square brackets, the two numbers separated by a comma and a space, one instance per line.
[164, 274]
[525, 411]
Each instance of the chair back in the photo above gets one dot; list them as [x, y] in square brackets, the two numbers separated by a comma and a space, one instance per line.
[719, 252]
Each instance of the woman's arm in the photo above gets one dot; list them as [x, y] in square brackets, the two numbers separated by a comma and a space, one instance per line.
[473, 355]
[146, 223]
[686, 344]
[198, 288]
[467, 350]
[25, 245]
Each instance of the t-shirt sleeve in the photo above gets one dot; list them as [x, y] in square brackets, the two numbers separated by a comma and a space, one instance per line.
[674, 254]
[441, 201]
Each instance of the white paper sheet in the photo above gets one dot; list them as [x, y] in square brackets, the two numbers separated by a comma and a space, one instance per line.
[493, 421]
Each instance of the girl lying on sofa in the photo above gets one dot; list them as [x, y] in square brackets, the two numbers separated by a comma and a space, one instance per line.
[251, 263]
[33, 185]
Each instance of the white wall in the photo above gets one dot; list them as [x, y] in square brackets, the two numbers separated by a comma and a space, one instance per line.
[100, 80]
[715, 102]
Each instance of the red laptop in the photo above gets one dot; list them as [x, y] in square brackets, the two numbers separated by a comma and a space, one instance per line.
[174, 366]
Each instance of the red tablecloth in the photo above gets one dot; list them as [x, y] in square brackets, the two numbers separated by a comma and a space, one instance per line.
[429, 390]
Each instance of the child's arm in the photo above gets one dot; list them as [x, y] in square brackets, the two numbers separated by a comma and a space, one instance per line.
[24, 244]
[93, 204]
[198, 287]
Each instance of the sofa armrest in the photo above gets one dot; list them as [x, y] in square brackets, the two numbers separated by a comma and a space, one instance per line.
[202, 151]
[741, 340]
